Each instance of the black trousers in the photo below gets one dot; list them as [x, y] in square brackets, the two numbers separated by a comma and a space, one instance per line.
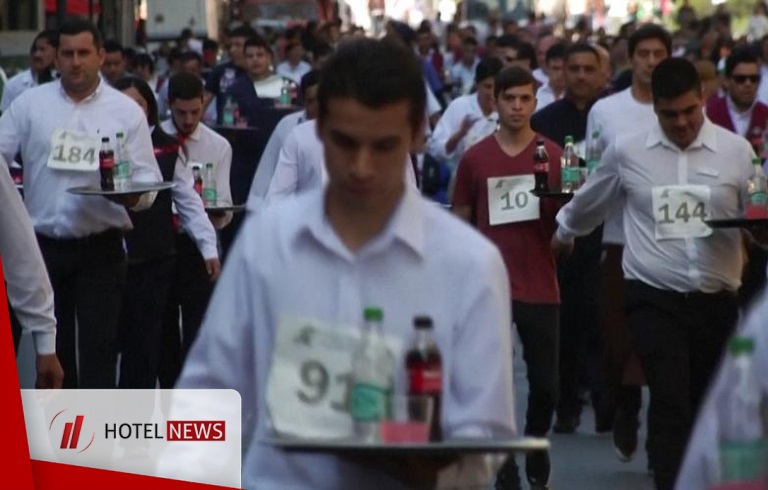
[580, 343]
[680, 339]
[88, 279]
[142, 321]
[188, 298]
[538, 327]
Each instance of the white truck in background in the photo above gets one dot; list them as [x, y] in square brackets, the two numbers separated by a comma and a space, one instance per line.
[165, 19]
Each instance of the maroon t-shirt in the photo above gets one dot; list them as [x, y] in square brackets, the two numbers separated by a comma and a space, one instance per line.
[524, 245]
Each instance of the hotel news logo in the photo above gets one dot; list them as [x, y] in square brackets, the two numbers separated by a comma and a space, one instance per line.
[70, 437]
[175, 431]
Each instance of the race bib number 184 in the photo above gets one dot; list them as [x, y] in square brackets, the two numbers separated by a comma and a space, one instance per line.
[71, 150]
[680, 210]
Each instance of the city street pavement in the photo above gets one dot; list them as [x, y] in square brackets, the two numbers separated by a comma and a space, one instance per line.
[585, 460]
[580, 461]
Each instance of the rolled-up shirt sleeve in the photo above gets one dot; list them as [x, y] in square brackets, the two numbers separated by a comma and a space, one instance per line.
[143, 162]
[29, 289]
[285, 180]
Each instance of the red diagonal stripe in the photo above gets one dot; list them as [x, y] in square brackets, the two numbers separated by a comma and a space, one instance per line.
[76, 435]
[65, 435]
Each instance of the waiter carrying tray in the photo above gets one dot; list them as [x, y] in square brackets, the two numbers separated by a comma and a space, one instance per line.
[58, 129]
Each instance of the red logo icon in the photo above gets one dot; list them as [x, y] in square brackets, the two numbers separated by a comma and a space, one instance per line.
[70, 437]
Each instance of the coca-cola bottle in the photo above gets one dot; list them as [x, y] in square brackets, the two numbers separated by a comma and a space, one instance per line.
[425, 370]
[107, 165]
[541, 167]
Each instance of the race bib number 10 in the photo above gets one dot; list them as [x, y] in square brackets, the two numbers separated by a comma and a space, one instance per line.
[310, 379]
[680, 210]
[510, 200]
[71, 150]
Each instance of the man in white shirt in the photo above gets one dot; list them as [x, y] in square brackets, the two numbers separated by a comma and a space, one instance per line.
[57, 127]
[554, 88]
[467, 119]
[681, 276]
[363, 240]
[294, 67]
[43, 56]
[702, 466]
[463, 71]
[28, 287]
[541, 74]
[195, 274]
[626, 112]
[271, 154]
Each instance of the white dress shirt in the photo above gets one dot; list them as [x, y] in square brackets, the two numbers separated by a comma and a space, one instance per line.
[269, 88]
[545, 96]
[28, 287]
[192, 215]
[28, 126]
[425, 262]
[618, 114]
[301, 164]
[541, 76]
[461, 73]
[740, 120]
[203, 146]
[630, 168]
[701, 464]
[15, 87]
[450, 123]
[269, 158]
[285, 69]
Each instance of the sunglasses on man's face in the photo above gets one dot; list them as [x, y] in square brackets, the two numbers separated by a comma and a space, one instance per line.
[742, 79]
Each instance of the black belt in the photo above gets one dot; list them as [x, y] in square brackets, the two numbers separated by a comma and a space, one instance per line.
[685, 296]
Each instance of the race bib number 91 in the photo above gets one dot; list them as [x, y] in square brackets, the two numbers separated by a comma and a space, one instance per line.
[71, 150]
[510, 200]
[679, 211]
[309, 384]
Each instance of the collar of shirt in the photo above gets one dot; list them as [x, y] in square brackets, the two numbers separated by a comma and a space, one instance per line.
[174, 131]
[474, 100]
[738, 117]
[406, 225]
[706, 138]
[90, 98]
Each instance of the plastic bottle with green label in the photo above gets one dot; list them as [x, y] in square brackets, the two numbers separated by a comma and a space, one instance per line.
[569, 167]
[594, 151]
[373, 374]
[742, 421]
[210, 194]
[122, 165]
[757, 193]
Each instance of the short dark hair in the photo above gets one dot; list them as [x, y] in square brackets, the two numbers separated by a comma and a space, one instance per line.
[513, 76]
[146, 93]
[143, 59]
[374, 73]
[487, 68]
[674, 77]
[242, 31]
[210, 44]
[51, 36]
[555, 52]
[321, 49]
[525, 51]
[508, 41]
[469, 41]
[291, 45]
[582, 48]
[73, 26]
[257, 42]
[738, 57]
[185, 86]
[112, 46]
[649, 31]
[190, 56]
[309, 80]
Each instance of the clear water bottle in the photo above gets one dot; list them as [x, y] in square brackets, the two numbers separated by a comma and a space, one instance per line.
[742, 422]
[228, 113]
[122, 165]
[757, 193]
[594, 151]
[210, 194]
[569, 165]
[373, 375]
[285, 94]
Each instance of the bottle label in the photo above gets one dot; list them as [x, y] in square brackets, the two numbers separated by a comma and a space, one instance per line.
[368, 402]
[107, 162]
[758, 198]
[742, 461]
[571, 175]
[592, 165]
[123, 169]
[209, 196]
[425, 381]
